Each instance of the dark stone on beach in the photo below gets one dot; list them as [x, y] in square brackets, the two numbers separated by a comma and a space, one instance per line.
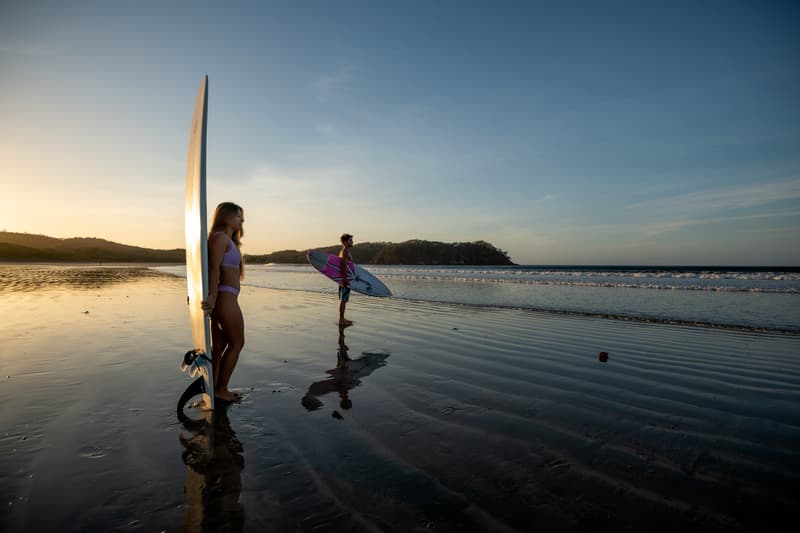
[337, 416]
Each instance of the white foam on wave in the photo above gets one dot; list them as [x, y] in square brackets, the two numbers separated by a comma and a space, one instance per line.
[723, 280]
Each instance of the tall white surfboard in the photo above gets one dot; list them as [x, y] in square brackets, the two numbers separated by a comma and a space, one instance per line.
[199, 358]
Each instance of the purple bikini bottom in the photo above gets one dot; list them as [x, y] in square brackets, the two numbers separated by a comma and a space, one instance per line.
[226, 288]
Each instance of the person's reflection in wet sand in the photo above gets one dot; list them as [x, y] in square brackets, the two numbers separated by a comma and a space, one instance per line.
[344, 377]
[214, 463]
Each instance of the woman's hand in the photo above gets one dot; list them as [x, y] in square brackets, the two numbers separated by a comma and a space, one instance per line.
[208, 304]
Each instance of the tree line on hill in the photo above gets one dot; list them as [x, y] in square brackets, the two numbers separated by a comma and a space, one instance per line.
[29, 247]
[413, 252]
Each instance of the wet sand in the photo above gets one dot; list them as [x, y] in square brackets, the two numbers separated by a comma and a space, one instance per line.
[423, 417]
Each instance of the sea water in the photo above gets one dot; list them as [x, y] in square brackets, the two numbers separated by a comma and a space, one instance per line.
[747, 298]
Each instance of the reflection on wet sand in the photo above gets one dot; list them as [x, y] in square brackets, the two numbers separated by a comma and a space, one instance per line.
[30, 278]
[214, 463]
[345, 376]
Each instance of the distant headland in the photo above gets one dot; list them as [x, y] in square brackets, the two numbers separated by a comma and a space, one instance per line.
[413, 252]
[30, 247]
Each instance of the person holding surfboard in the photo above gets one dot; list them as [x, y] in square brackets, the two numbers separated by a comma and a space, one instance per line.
[344, 288]
[225, 271]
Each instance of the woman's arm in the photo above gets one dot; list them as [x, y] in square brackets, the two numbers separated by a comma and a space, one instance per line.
[216, 249]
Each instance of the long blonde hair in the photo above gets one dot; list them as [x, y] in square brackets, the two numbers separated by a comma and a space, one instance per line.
[219, 222]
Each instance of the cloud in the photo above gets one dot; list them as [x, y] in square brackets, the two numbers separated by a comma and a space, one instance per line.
[637, 233]
[326, 129]
[34, 50]
[722, 199]
[290, 183]
[328, 85]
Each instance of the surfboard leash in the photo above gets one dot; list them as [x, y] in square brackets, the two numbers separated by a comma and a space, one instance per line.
[192, 355]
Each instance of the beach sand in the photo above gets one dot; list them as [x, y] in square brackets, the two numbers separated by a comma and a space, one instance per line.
[446, 418]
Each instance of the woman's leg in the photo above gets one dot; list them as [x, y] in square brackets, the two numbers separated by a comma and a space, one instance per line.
[229, 315]
[218, 344]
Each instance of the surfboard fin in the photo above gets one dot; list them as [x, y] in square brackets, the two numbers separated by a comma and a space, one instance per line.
[195, 388]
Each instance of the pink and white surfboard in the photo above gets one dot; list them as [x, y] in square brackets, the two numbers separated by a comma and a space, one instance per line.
[358, 278]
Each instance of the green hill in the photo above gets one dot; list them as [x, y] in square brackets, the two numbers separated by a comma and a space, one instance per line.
[413, 252]
[29, 247]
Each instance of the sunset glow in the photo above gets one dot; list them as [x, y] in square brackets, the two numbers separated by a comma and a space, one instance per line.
[560, 135]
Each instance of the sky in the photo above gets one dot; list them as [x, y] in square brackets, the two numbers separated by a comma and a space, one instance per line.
[569, 132]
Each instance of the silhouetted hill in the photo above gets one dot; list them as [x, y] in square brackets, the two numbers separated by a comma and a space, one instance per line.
[29, 247]
[413, 252]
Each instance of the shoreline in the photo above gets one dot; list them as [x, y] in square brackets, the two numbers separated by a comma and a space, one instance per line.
[586, 267]
[567, 313]
[667, 321]
[155, 268]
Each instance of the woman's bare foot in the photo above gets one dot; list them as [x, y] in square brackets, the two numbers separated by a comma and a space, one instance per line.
[227, 396]
[345, 322]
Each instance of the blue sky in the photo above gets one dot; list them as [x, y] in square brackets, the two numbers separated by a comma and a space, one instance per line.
[563, 132]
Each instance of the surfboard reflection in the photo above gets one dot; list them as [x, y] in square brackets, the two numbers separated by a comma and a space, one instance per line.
[214, 463]
[345, 376]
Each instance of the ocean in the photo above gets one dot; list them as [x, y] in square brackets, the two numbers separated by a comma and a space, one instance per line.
[760, 298]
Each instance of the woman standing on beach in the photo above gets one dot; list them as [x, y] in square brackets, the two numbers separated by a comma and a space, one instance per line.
[225, 270]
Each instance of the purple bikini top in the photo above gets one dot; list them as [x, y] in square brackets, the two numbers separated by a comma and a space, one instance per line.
[231, 258]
